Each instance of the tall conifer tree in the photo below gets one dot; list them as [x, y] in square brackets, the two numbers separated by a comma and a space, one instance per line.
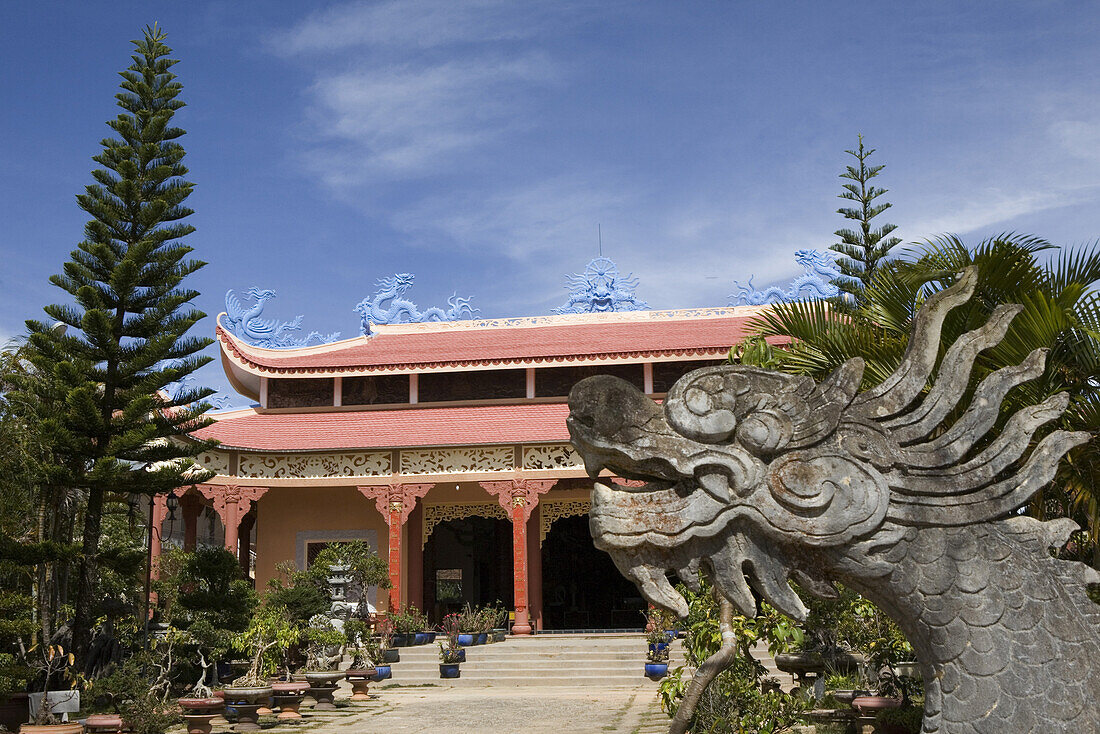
[108, 401]
[863, 248]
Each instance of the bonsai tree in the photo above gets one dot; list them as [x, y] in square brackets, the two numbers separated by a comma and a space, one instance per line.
[298, 592]
[321, 637]
[51, 665]
[205, 595]
[355, 559]
[268, 637]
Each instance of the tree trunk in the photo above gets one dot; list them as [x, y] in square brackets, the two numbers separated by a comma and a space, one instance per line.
[85, 589]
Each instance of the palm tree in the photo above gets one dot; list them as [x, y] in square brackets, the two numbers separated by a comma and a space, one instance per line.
[1061, 313]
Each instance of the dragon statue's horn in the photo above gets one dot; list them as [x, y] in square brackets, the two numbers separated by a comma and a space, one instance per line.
[950, 446]
[900, 389]
[951, 378]
[992, 501]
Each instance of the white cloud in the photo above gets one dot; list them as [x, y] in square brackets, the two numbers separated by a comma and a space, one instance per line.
[415, 24]
[992, 207]
[409, 120]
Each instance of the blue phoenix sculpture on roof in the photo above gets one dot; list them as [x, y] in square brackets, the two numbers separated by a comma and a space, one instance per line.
[600, 288]
[389, 306]
[816, 282]
[246, 324]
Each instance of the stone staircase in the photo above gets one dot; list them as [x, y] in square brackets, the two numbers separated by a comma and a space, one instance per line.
[599, 660]
[603, 660]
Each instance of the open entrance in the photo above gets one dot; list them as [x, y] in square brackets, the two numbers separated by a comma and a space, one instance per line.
[581, 588]
[467, 561]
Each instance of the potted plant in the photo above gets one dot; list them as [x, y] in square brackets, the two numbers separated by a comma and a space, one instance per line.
[656, 666]
[389, 653]
[53, 664]
[657, 640]
[361, 671]
[406, 624]
[498, 630]
[269, 634]
[143, 701]
[449, 628]
[323, 653]
[469, 624]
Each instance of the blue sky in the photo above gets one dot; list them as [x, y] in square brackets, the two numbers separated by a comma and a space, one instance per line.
[479, 144]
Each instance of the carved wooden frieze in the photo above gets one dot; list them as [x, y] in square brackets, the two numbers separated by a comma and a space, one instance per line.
[314, 466]
[551, 456]
[475, 459]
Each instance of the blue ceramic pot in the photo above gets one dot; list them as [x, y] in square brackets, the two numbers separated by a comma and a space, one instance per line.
[421, 638]
[402, 640]
[465, 640]
[381, 672]
[462, 655]
[482, 638]
[431, 637]
[656, 670]
[657, 646]
[448, 670]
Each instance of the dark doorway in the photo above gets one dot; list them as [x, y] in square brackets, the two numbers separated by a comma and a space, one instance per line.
[581, 588]
[467, 561]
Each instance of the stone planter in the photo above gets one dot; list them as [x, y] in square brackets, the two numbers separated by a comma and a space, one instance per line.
[800, 664]
[323, 678]
[849, 695]
[871, 705]
[324, 697]
[908, 669]
[360, 680]
[449, 670]
[13, 711]
[197, 723]
[288, 697]
[245, 700]
[105, 723]
[70, 728]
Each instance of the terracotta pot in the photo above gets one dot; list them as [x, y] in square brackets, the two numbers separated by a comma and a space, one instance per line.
[103, 723]
[198, 723]
[360, 689]
[285, 687]
[870, 705]
[70, 728]
[288, 704]
[201, 704]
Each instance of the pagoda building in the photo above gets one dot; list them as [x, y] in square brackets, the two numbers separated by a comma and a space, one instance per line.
[443, 446]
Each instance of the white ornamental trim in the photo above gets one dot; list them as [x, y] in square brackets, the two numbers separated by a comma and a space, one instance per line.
[437, 513]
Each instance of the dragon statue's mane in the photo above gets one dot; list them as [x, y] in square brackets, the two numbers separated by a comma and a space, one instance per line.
[754, 478]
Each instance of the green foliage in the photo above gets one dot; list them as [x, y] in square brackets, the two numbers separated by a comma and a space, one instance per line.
[409, 620]
[862, 249]
[909, 718]
[321, 637]
[297, 592]
[365, 567]
[268, 638]
[137, 699]
[733, 703]
[101, 391]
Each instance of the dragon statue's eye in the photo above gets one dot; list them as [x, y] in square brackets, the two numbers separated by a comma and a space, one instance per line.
[764, 432]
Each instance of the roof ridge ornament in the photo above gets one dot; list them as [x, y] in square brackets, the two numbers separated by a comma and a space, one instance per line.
[246, 324]
[389, 306]
[816, 282]
[601, 289]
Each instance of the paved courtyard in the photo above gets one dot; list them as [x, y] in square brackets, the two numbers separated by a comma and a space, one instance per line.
[503, 710]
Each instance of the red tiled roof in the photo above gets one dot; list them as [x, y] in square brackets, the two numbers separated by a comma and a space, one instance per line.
[386, 429]
[459, 347]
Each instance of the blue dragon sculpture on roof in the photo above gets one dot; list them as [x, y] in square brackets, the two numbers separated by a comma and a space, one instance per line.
[816, 282]
[246, 324]
[600, 288]
[388, 305]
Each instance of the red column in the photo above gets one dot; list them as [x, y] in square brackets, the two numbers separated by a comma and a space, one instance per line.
[191, 508]
[395, 502]
[518, 497]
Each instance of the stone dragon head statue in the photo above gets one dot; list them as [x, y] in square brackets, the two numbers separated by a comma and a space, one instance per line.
[754, 478]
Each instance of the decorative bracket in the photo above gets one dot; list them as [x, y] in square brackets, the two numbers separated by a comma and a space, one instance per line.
[222, 495]
[391, 499]
[515, 493]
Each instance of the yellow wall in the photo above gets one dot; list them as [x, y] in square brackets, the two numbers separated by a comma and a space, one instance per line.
[283, 512]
